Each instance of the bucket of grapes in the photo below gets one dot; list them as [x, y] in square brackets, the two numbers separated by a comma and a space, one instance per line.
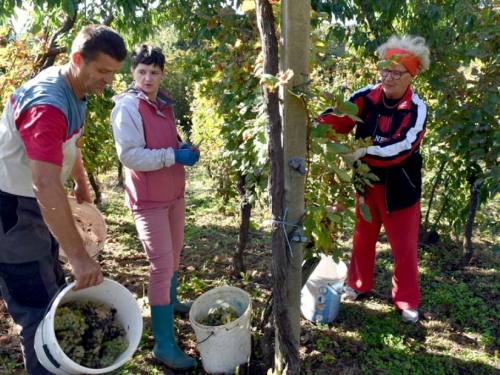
[221, 321]
[89, 331]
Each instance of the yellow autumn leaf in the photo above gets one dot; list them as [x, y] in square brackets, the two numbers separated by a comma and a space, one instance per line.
[247, 6]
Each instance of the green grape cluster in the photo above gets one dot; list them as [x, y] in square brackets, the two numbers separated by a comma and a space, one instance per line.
[219, 316]
[89, 334]
[112, 349]
[70, 326]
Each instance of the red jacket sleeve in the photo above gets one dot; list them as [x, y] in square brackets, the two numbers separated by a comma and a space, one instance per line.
[341, 124]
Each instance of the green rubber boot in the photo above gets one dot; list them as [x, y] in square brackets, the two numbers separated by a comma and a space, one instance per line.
[179, 307]
[166, 349]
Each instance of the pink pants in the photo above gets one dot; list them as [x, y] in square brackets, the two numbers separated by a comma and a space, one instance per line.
[161, 231]
[401, 228]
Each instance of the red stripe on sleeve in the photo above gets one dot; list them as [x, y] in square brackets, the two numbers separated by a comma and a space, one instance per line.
[43, 131]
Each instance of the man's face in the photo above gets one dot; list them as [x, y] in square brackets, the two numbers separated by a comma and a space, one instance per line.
[148, 77]
[98, 73]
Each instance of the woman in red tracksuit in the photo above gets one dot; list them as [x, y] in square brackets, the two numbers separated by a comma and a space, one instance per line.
[394, 118]
[148, 146]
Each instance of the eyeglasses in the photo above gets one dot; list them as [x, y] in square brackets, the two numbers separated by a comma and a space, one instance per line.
[396, 74]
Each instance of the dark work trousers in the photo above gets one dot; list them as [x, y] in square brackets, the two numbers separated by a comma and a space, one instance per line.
[30, 272]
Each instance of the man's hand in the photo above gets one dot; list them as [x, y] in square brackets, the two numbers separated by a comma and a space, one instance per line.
[353, 156]
[87, 271]
[82, 193]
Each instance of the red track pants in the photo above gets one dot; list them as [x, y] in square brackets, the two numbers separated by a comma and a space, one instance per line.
[401, 228]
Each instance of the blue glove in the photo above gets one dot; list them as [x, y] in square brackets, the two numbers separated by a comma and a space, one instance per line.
[187, 146]
[186, 157]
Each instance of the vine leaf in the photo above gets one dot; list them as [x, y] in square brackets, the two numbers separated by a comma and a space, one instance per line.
[337, 148]
[344, 176]
[365, 212]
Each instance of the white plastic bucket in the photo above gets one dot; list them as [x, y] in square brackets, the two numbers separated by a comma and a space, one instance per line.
[50, 354]
[90, 224]
[223, 348]
[320, 296]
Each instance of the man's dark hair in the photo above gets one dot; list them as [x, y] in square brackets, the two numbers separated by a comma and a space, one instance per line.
[95, 39]
[149, 55]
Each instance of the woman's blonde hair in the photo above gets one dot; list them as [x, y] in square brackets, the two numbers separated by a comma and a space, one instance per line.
[413, 44]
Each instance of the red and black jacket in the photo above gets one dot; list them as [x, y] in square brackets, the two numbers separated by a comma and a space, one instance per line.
[396, 133]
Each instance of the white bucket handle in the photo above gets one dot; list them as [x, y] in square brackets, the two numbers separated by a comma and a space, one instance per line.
[45, 348]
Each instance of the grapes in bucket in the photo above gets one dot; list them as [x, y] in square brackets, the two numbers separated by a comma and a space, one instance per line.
[89, 334]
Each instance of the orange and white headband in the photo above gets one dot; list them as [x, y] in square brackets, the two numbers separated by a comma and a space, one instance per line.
[408, 59]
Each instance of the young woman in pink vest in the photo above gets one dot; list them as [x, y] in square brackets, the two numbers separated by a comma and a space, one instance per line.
[394, 118]
[148, 146]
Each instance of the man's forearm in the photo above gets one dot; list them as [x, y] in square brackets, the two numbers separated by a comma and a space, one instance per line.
[81, 189]
[78, 170]
[53, 201]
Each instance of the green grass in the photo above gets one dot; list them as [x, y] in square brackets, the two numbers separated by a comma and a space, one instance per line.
[460, 327]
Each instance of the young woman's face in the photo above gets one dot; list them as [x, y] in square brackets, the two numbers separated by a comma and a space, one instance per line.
[148, 77]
